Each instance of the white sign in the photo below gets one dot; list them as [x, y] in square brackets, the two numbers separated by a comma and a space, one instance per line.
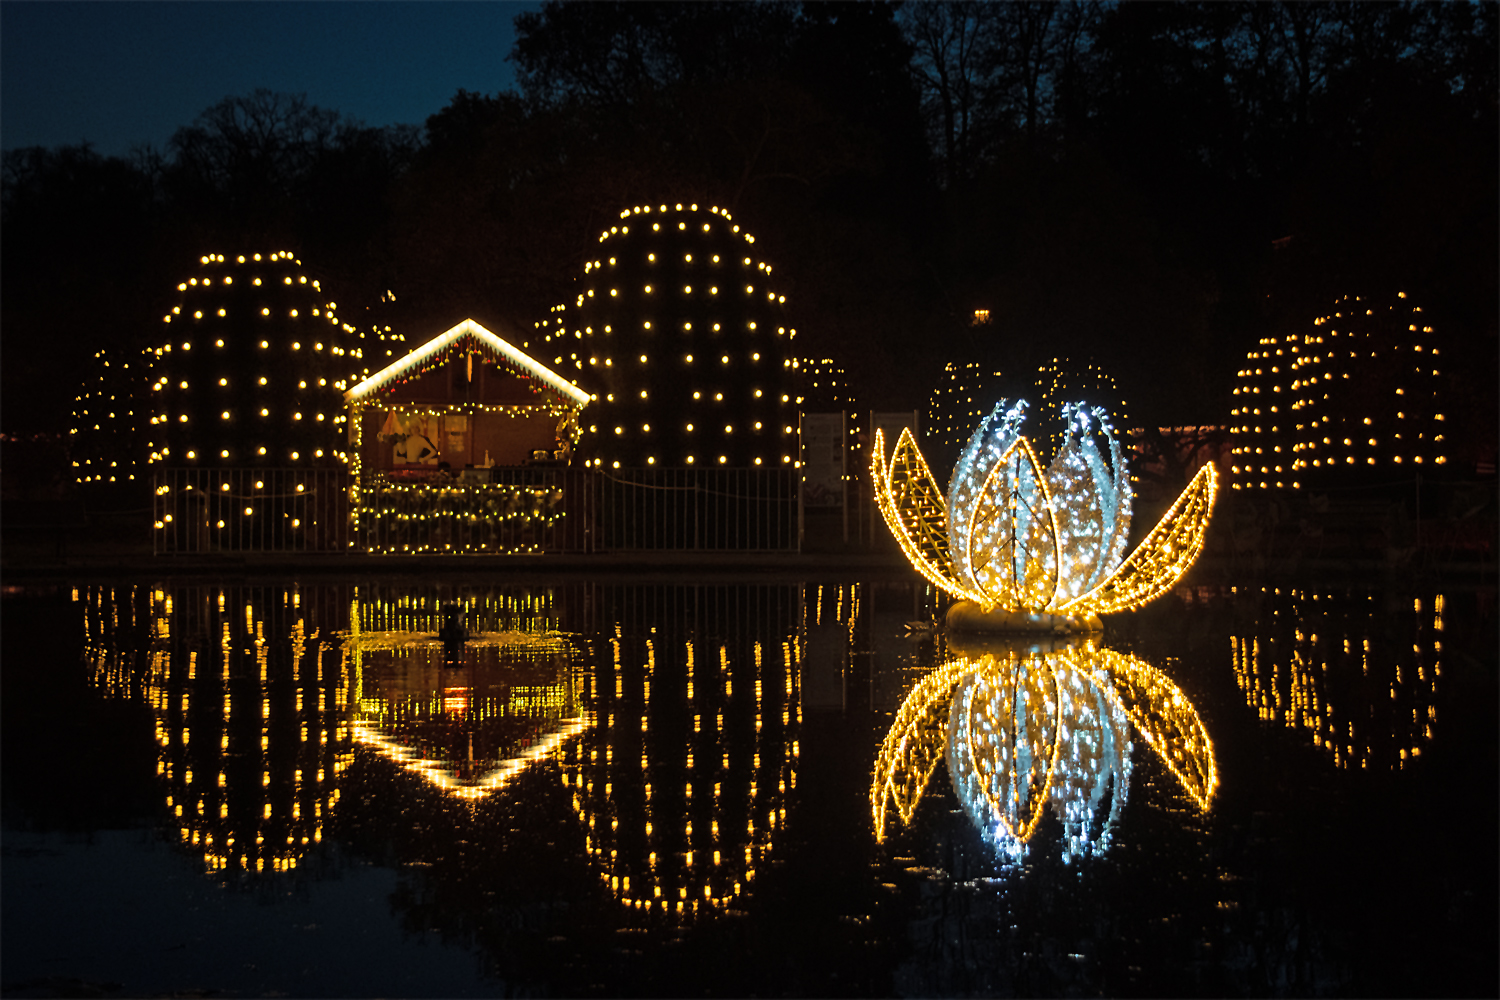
[823, 459]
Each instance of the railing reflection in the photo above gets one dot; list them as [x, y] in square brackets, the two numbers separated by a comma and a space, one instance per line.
[1359, 673]
[1028, 727]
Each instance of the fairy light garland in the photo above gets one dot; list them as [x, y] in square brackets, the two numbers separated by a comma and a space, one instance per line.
[464, 337]
[415, 518]
[1013, 537]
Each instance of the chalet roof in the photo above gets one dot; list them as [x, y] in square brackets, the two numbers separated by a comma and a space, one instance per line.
[504, 352]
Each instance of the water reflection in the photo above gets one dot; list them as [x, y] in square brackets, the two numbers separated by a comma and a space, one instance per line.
[1029, 727]
[248, 697]
[677, 750]
[683, 781]
[297, 736]
[1356, 671]
[466, 727]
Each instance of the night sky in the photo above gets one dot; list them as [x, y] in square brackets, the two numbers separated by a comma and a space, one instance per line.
[121, 75]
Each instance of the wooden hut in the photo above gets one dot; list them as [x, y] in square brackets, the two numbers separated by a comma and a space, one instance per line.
[458, 446]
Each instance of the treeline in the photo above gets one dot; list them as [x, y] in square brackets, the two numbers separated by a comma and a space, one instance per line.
[1153, 186]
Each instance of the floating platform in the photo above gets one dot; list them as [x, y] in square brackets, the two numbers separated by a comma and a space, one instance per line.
[969, 618]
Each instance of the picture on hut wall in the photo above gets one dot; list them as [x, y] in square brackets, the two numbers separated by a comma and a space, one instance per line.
[413, 437]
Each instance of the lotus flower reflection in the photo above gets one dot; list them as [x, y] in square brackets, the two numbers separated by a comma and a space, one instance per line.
[1008, 535]
[1025, 733]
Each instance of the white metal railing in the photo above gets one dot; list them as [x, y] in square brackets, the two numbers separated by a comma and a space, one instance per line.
[199, 511]
[694, 509]
[203, 511]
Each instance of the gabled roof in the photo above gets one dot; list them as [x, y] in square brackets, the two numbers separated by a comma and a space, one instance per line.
[501, 350]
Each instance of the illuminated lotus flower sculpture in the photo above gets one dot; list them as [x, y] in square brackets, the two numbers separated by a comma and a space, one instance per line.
[1022, 734]
[1008, 535]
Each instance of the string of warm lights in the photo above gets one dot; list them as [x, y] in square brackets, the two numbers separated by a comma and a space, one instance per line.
[402, 518]
[466, 337]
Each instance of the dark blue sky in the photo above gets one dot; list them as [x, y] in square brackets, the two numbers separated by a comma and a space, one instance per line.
[122, 74]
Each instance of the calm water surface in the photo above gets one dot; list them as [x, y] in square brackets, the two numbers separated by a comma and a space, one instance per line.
[283, 788]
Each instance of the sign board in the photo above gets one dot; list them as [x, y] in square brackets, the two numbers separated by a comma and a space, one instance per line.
[823, 459]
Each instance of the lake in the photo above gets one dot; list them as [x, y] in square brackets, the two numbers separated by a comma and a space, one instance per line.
[764, 786]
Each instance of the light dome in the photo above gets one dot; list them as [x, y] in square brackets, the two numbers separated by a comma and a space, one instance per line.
[678, 329]
[252, 368]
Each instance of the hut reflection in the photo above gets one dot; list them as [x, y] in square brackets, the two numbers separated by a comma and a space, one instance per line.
[1356, 672]
[1026, 728]
[466, 723]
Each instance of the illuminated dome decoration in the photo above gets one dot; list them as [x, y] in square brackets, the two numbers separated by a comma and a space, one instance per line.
[1009, 536]
[1063, 380]
[957, 404]
[823, 387]
[1358, 392]
[375, 343]
[681, 337]
[1023, 733]
[252, 370]
[106, 441]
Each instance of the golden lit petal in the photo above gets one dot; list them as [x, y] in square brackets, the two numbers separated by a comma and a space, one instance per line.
[1165, 717]
[915, 511]
[1011, 534]
[1162, 558]
[914, 745]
